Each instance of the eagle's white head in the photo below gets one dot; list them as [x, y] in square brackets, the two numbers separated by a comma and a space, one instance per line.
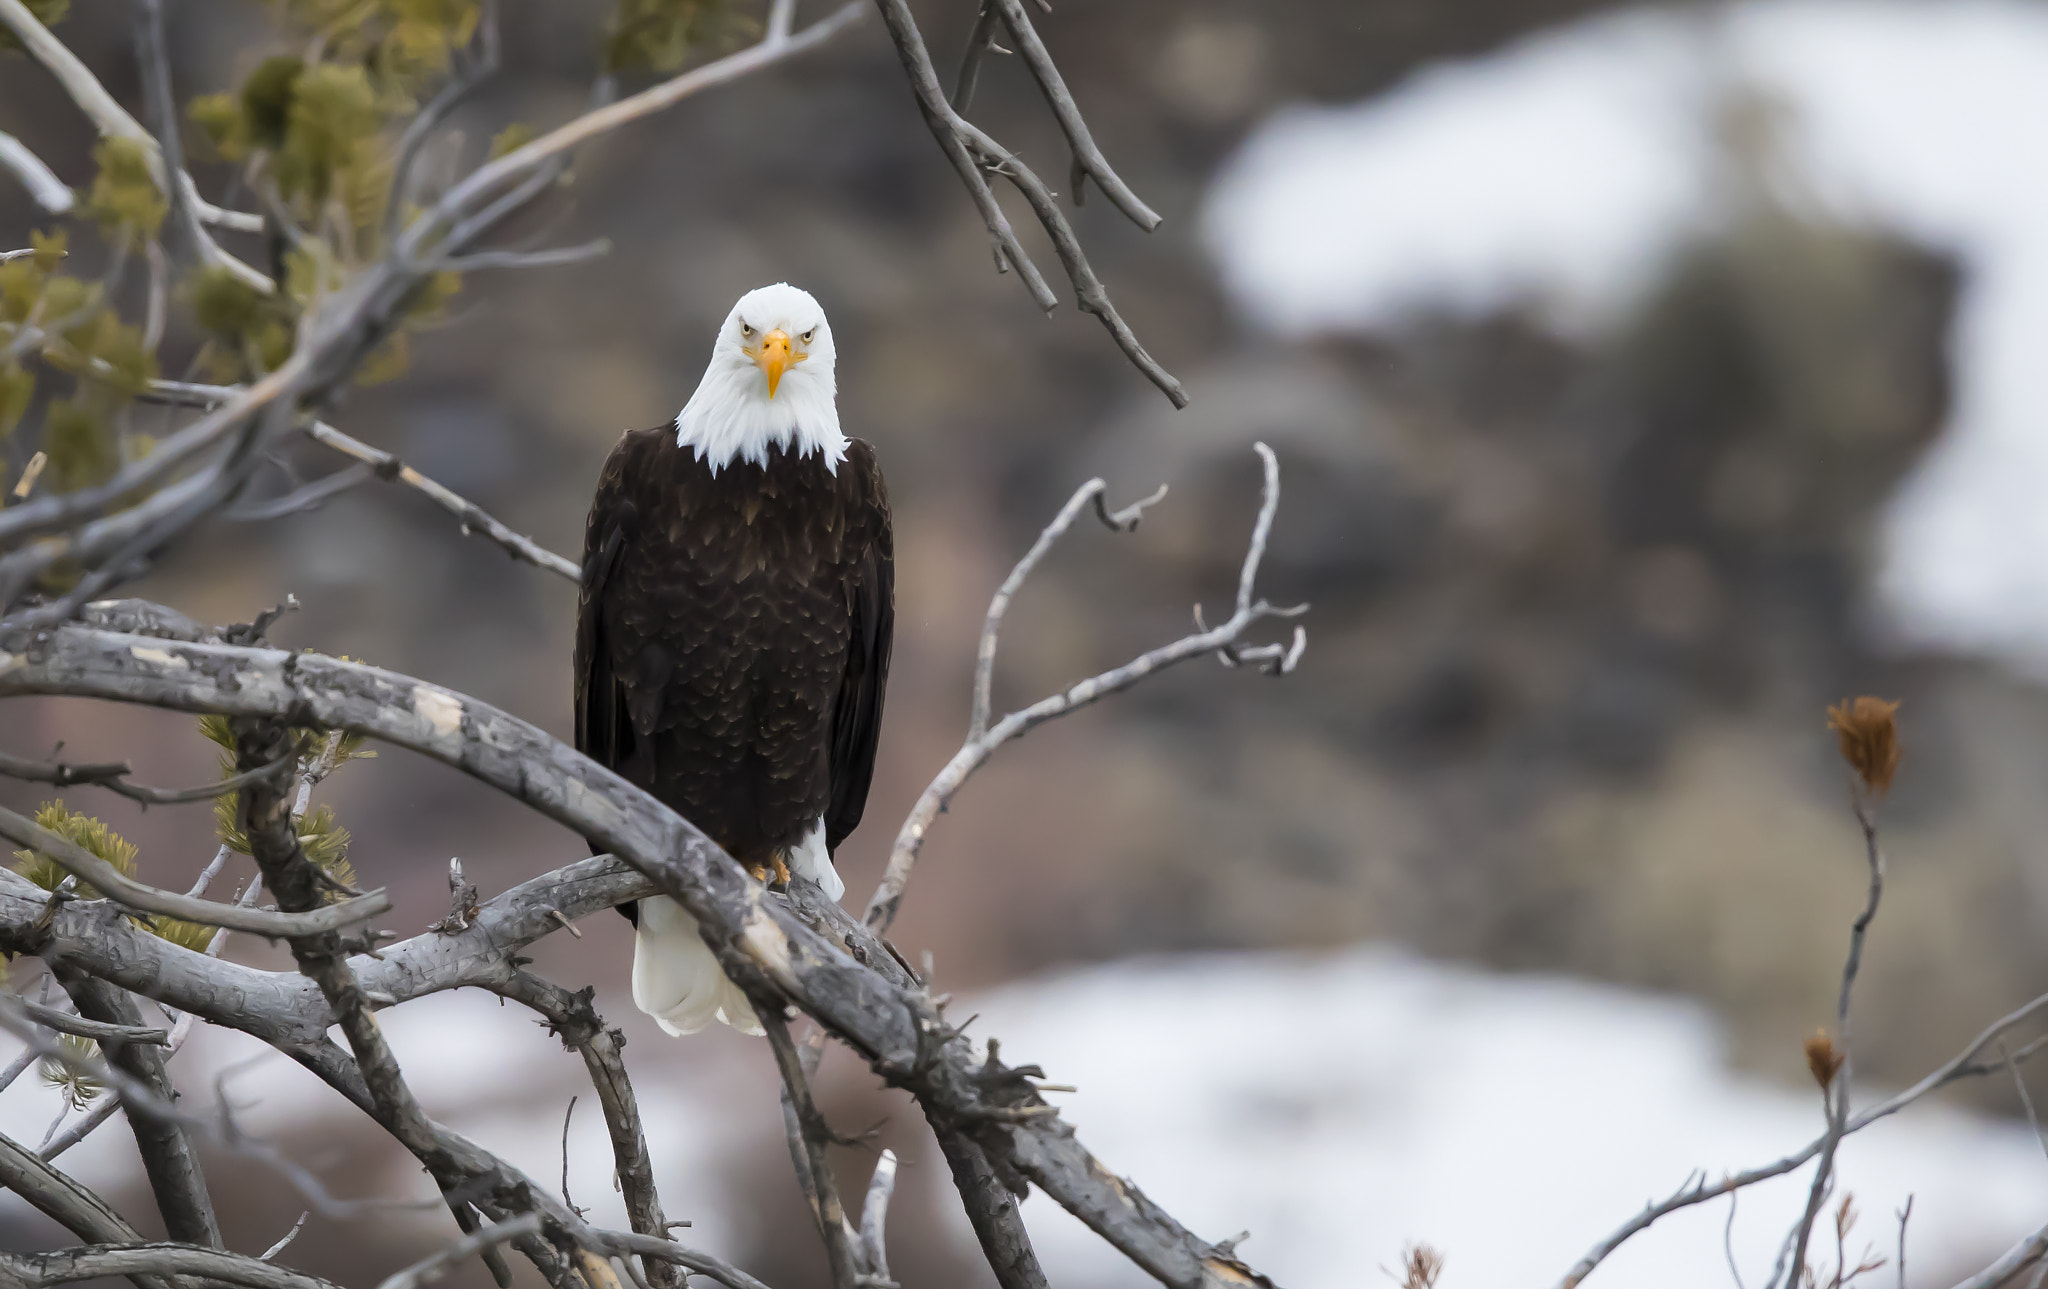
[770, 382]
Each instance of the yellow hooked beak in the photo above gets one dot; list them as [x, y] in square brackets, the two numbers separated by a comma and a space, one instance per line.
[774, 358]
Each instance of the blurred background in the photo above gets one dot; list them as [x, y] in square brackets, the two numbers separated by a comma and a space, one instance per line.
[1644, 379]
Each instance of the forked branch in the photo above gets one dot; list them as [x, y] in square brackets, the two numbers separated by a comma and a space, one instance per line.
[1225, 640]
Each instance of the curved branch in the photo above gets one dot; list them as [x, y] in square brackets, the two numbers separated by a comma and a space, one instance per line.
[127, 891]
[69, 1204]
[113, 777]
[92, 1261]
[44, 187]
[983, 739]
[1088, 158]
[760, 941]
[111, 119]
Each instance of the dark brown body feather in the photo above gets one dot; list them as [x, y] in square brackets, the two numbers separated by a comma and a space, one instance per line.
[732, 641]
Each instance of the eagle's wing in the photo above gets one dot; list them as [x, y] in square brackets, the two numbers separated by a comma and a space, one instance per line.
[871, 601]
[604, 733]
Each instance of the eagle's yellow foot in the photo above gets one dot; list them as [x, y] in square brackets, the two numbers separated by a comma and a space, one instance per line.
[781, 873]
[774, 874]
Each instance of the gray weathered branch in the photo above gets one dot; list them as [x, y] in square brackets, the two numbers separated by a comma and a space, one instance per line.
[983, 739]
[169, 1156]
[93, 1261]
[808, 1137]
[126, 890]
[973, 152]
[69, 1204]
[113, 776]
[111, 119]
[759, 940]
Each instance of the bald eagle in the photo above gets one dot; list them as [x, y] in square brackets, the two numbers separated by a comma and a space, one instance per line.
[733, 631]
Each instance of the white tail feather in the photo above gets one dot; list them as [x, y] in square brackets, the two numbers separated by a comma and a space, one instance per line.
[676, 977]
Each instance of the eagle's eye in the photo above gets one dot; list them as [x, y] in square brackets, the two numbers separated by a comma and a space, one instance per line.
[746, 332]
[806, 337]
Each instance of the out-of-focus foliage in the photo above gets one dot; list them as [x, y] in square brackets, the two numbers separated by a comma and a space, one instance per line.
[47, 12]
[125, 201]
[66, 1074]
[660, 35]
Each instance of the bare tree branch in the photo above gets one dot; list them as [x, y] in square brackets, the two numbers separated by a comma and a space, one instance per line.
[981, 41]
[299, 500]
[1125, 520]
[573, 1018]
[984, 739]
[1088, 158]
[760, 942]
[2029, 1252]
[1965, 1064]
[508, 169]
[972, 151]
[428, 1270]
[168, 1155]
[113, 776]
[153, 58]
[485, 52]
[44, 187]
[808, 1137]
[69, 1204]
[98, 1031]
[473, 518]
[874, 1216]
[389, 467]
[63, 1266]
[111, 119]
[93, 540]
[1836, 1098]
[127, 891]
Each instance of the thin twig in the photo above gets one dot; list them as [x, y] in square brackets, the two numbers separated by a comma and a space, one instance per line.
[44, 187]
[1088, 158]
[2029, 1251]
[1904, 1214]
[980, 41]
[1836, 1099]
[78, 1026]
[808, 1136]
[874, 1216]
[427, 1270]
[992, 626]
[153, 57]
[133, 894]
[288, 1237]
[1224, 640]
[2019, 1083]
[528, 259]
[301, 499]
[110, 118]
[113, 777]
[474, 519]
